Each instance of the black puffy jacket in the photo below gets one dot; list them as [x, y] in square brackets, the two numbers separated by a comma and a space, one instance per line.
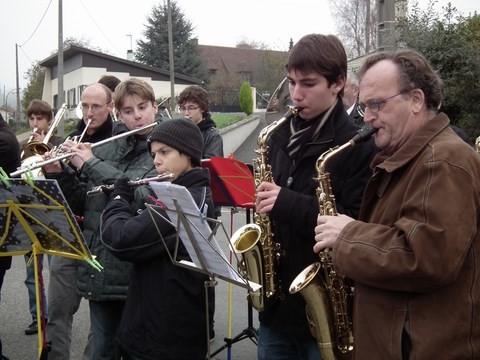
[164, 317]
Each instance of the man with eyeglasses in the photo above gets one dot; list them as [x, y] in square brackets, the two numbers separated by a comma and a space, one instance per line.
[97, 105]
[414, 253]
[63, 297]
[193, 103]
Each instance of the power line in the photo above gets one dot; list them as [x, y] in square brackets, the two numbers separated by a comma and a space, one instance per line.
[34, 31]
[98, 27]
[23, 51]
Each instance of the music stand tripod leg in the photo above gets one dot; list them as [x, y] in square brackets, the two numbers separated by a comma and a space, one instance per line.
[208, 284]
[250, 331]
[43, 347]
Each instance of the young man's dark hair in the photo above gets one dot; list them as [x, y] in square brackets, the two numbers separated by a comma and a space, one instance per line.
[39, 107]
[109, 81]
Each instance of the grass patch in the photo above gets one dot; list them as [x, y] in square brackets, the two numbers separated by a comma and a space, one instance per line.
[224, 120]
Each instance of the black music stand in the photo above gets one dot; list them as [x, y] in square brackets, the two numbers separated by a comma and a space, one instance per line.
[193, 230]
[232, 184]
[35, 217]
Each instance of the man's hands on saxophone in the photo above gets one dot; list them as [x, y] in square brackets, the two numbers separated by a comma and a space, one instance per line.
[267, 193]
[327, 230]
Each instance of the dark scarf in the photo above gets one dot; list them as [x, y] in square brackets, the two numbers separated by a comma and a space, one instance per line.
[103, 132]
[305, 131]
[206, 123]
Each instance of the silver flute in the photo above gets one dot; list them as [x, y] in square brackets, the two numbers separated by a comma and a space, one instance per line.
[105, 188]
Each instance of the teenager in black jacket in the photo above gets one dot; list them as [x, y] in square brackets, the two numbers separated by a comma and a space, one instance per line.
[9, 161]
[316, 70]
[165, 316]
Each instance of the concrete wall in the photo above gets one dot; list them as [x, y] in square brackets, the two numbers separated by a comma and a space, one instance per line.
[234, 135]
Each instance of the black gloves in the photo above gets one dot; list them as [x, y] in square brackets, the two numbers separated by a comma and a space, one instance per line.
[122, 189]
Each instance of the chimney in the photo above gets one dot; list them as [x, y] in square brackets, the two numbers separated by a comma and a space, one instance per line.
[130, 55]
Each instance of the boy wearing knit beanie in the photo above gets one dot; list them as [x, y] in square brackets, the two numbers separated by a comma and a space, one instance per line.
[165, 314]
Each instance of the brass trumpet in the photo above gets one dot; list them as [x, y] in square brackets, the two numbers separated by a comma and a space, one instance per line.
[30, 140]
[106, 188]
[33, 150]
[41, 147]
[63, 156]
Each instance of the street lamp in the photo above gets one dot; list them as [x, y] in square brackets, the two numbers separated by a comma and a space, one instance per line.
[6, 103]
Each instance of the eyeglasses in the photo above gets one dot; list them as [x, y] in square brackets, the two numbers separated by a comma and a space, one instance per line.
[95, 107]
[190, 108]
[376, 105]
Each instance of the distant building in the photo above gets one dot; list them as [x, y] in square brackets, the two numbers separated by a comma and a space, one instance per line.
[83, 67]
[8, 113]
[229, 66]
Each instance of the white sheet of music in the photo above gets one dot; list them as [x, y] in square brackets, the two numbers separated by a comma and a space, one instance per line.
[210, 251]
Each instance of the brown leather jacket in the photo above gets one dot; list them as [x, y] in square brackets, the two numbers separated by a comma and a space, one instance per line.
[415, 257]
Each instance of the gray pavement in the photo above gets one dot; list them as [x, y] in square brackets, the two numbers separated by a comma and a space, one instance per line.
[231, 317]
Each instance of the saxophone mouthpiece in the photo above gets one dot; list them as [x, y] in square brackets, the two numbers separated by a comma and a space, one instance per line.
[364, 134]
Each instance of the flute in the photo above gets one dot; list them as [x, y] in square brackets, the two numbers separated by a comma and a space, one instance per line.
[105, 188]
[40, 164]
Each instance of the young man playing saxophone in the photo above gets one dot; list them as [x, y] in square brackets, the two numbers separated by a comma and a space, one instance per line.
[316, 70]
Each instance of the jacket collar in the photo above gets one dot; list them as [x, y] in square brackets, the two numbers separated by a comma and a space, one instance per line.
[391, 162]
[206, 123]
[337, 120]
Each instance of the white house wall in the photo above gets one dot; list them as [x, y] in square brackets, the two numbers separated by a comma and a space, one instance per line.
[87, 76]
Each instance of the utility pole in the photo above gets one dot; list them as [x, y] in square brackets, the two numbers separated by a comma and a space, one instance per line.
[367, 28]
[17, 113]
[61, 94]
[170, 59]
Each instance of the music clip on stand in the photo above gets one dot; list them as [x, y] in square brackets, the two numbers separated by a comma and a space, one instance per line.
[232, 184]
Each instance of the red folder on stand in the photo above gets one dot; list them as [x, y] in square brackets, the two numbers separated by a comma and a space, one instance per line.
[231, 182]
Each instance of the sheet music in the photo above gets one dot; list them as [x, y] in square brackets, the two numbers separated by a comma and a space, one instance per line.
[211, 253]
[44, 211]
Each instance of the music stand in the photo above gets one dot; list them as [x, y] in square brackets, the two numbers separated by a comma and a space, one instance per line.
[35, 217]
[232, 184]
[194, 231]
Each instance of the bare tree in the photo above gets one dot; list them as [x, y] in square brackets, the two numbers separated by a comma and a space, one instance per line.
[356, 30]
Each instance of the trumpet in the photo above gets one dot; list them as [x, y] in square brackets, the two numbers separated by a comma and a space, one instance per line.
[30, 140]
[66, 155]
[106, 188]
[34, 150]
[41, 147]
[57, 150]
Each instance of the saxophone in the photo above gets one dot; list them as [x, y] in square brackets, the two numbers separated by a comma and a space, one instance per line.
[328, 294]
[260, 253]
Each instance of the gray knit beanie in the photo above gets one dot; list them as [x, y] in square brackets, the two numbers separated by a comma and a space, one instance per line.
[180, 134]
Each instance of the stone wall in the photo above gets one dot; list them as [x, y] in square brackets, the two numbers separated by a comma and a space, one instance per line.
[235, 134]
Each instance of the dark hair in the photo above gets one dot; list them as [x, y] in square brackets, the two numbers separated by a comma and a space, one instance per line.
[323, 54]
[109, 81]
[39, 107]
[133, 86]
[414, 71]
[195, 94]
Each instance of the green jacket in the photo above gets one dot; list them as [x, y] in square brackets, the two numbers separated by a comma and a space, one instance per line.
[125, 156]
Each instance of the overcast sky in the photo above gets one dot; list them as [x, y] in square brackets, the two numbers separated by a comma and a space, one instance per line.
[108, 24]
